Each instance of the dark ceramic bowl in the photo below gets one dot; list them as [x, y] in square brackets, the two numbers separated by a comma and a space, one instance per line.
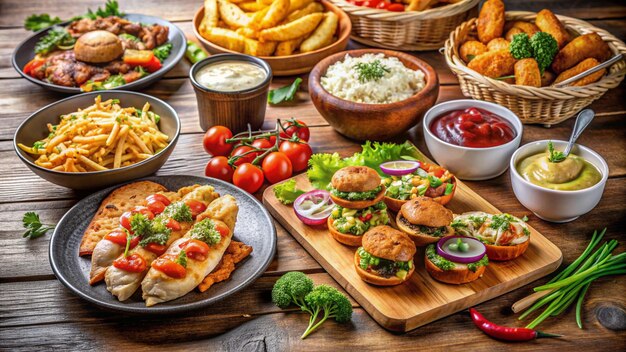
[376, 122]
[34, 129]
[236, 109]
[25, 52]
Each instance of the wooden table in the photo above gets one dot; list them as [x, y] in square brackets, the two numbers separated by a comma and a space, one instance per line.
[38, 313]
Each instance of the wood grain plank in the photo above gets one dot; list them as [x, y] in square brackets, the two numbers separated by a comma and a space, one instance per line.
[31, 311]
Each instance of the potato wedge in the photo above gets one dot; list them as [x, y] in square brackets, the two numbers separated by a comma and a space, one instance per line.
[323, 34]
[292, 30]
[232, 15]
[307, 10]
[276, 13]
[248, 32]
[251, 6]
[265, 2]
[288, 47]
[211, 15]
[256, 48]
[255, 22]
[298, 4]
[226, 38]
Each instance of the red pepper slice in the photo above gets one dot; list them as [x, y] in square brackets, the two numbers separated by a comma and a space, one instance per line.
[169, 267]
[503, 332]
[119, 237]
[32, 66]
[195, 249]
[133, 263]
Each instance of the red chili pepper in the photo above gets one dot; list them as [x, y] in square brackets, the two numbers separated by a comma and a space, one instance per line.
[365, 218]
[506, 333]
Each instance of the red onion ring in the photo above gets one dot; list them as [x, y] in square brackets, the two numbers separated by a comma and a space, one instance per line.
[410, 167]
[307, 216]
[455, 258]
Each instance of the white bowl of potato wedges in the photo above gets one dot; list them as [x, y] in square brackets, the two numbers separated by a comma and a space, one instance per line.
[291, 35]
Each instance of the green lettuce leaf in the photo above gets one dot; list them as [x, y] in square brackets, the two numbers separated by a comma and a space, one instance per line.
[322, 167]
[287, 192]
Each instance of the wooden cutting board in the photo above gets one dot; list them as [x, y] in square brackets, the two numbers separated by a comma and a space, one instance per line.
[421, 299]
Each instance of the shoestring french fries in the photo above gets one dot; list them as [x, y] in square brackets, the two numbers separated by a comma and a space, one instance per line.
[100, 137]
[268, 27]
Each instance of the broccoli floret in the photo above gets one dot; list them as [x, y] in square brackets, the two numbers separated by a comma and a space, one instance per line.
[544, 48]
[292, 288]
[333, 304]
[520, 46]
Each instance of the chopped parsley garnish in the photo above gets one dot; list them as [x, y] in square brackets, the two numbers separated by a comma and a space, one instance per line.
[555, 156]
[371, 71]
[457, 224]
[205, 231]
[159, 233]
[477, 220]
[38, 145]
[182, 258]
[501, 221]
[178, 211]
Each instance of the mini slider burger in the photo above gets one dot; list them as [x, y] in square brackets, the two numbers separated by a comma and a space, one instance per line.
[386, 258]
[357, 194]
[425, 220]
[505, 236]
[456, 259]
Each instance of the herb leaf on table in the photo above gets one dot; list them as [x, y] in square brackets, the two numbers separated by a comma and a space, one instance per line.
[34, 227]
[286, 93]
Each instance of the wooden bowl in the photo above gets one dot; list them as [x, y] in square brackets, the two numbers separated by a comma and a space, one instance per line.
[373, 121]
[292, 64]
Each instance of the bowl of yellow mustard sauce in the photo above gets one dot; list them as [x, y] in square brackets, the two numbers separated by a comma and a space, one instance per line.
[556, 188]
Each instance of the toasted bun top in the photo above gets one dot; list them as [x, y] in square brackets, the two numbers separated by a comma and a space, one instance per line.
[427, 212]
[98, 47]
[388, 243]
[355, 179]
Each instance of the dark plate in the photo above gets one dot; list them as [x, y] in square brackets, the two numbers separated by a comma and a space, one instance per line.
[254, 227]
[25, 52]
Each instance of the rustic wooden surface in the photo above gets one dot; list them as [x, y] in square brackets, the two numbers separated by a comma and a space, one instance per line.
[38, 313]
[396, 308]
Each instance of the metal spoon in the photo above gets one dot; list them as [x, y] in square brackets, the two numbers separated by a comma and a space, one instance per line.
[583, 120]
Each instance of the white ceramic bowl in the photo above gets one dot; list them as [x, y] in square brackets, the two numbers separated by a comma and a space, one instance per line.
[473, 164]
[553, 205]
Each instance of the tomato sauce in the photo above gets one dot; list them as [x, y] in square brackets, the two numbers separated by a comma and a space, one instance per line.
[473, 127]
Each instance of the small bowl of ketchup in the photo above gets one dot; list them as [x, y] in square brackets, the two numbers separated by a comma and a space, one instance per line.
[473, 139]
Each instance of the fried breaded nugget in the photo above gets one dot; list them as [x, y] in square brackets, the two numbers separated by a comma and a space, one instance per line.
[498, 44]
[322, 35]
[547, 78]
[581, 67]
[512, 32]
[526, 27]
[235, 253]
[580, 48]
[490, 22]
[493, 64]
[527, 73]
[470, 49]
[547, 22]
[288, 47]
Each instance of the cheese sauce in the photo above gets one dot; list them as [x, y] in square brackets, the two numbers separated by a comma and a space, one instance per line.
[231, 76]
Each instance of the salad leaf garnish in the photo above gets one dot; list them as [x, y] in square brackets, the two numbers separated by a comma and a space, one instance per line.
[555, 156]
[287, 192]
[286, 93]
[36, 22]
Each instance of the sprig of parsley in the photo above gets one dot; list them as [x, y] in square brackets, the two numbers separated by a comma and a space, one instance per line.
[111, 8]
[182, 258]
[371, 71]
[36, 22]
[555, 156]
[34, 227]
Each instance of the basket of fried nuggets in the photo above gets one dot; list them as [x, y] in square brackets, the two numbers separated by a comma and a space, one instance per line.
[514, 59]
[291, 35]
[423, 25]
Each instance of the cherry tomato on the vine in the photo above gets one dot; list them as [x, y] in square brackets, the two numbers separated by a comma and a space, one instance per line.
[219, 168]
[214, 140]
[297, 128]
[277, 167]
[245, 159]
[298, 153]
[248, 177]
[262, 143]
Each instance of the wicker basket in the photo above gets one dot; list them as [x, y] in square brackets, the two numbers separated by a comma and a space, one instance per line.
[411, 30]
[546, 105]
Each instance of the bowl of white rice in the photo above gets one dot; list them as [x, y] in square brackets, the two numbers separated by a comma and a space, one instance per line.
[373, 94]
